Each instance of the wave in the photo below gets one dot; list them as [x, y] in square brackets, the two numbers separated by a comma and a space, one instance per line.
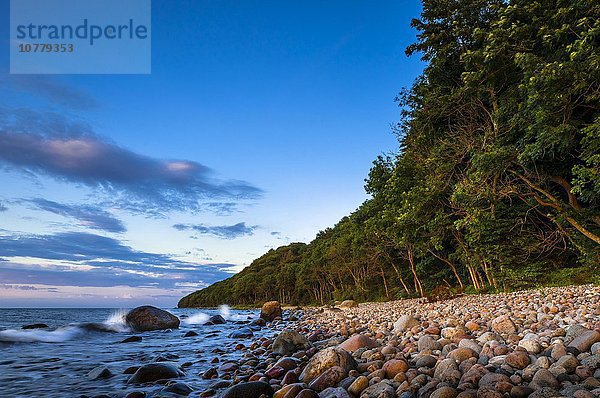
[197, 319]
[115, 323]
[59, 335]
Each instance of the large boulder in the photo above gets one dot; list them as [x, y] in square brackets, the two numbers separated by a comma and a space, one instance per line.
[270, 310]
[251, 389]
[155, 371]
[290, 341]
[325, 359]
[147, 317]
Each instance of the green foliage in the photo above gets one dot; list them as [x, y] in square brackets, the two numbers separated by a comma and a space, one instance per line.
[496, 184]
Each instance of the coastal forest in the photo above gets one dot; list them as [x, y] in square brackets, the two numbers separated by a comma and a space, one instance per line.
[495, 184]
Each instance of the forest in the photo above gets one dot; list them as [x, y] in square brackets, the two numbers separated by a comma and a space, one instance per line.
[495, 185]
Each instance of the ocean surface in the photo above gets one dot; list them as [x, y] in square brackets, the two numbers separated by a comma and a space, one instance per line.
[55, 362]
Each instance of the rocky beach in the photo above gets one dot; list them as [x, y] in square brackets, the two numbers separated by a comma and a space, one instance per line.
[537, 343]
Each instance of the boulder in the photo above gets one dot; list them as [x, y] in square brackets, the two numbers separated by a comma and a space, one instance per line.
[325, 359]
[270, 310]
[290, 341]
[145, 318]
[155, 371]
[216, 320]
[251, 389]
[242, 333]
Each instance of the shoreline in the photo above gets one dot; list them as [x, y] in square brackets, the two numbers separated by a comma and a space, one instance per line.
[534, 343]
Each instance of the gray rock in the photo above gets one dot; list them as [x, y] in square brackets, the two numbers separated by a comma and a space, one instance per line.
[404, 323]
[543, 378]
[380, 390]
[99, 372]
[289, 342]
[332, 392]
[155, 371]
[147, 318]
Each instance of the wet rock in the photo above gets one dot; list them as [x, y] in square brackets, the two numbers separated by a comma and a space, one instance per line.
[190, 333]
[270, 310]
[325, 359]
[99, 372]
[358, 341]
[242, 333]
[35, 326]
[136, 394]
[132, 339]
[216, 320]
[404, 323]
[210, 374]
[155, 371]
[179, 389]
[251, 389]
[289, 341]
[148, 318]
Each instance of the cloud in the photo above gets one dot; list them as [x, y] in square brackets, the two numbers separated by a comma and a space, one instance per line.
[220, 231]
[89, 216]
[52, 89]
[2, 207]
[48, 144]
[85, 259]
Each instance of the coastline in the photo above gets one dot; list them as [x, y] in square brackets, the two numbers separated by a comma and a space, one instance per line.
[536, 343]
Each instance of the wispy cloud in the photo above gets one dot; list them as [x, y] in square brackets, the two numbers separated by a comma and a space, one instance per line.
[88, 216]
[84, 259]
[52, 89]
[48, 144]
[220, 231]
[2, 207]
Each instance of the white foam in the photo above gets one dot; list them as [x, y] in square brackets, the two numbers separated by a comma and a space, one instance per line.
[116, 321]
[197, 319]
[45, 336]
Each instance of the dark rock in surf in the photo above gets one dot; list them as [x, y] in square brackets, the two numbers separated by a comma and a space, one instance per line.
[242, 333]
[252, 389]
[36, 326]
[155, 371]
[99, 372]
[216, 320]
[148, 318]
[132, 339]
[190, 333]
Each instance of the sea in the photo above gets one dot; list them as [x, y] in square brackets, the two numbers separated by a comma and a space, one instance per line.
[55, 362]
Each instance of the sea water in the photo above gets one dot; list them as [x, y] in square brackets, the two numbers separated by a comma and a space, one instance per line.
[54, 362]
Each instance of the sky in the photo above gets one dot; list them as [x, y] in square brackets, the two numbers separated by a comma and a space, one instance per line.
[255, 128]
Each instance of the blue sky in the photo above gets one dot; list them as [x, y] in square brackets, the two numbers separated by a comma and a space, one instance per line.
[256, 128]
